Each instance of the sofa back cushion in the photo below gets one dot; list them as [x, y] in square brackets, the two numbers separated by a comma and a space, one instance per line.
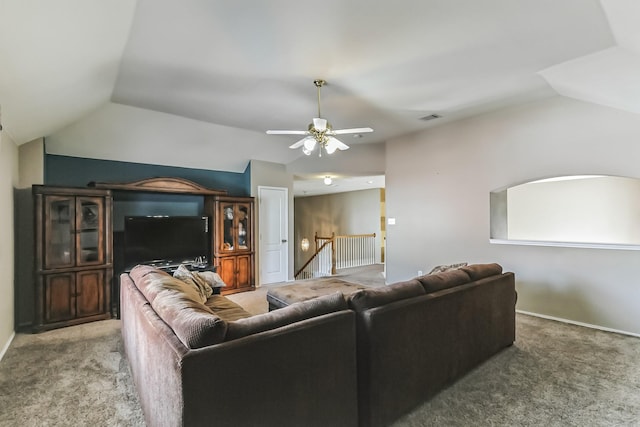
[374, 297]
[178, 304]
[448, 279]
[480, 271]
[151, 281]
[284, 316]
[142, 275]
[192, 322]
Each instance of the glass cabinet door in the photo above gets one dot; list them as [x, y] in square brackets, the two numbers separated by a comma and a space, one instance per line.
[89, 235]
[243, 231]
[236, 226]
[228, 227]
[59, 219]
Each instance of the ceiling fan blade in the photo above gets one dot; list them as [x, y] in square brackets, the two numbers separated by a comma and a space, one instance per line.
[342, 145]
[335, 143]
[300, 143]
[287, 132]
[353, 130]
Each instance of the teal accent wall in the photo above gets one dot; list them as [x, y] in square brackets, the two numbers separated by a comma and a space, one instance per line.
[78, 172]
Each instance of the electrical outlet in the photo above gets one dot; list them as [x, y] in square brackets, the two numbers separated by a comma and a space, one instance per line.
[419, 272]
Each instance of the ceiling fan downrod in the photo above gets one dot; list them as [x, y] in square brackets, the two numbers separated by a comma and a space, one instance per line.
[319, 133]
[319, 83]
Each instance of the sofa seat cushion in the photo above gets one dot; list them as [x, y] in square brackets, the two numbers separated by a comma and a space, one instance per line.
[287, 315]
[448, 279]
[480, 271]
[226, 309]
[374, 297]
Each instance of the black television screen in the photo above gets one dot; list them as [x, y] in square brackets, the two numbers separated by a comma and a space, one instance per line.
[165, 239]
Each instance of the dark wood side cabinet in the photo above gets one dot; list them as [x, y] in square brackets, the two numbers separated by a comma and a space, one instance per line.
[233, 242]
[73, 256]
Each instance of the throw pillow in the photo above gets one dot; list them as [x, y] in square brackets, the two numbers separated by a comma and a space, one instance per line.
[295, 312]
[443, 268]
[151, 282]
[213, 279]
[193, 279]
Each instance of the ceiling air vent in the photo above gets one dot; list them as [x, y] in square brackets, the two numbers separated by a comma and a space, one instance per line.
[430, 117]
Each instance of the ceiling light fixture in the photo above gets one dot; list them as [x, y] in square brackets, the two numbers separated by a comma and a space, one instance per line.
[320, 133]
[327, 179]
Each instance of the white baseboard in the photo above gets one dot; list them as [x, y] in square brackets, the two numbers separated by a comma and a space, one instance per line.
[6, 346]
[573, 322]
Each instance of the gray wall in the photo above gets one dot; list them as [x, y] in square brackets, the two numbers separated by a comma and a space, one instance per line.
[353, 212]
[438, 184]
[8, 181]
[31, 171]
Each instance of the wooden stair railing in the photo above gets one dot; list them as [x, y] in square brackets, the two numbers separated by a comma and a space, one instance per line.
[321, 249]
[346, 251]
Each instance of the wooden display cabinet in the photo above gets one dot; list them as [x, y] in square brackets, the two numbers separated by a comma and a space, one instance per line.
[73, 259]
[233, 243]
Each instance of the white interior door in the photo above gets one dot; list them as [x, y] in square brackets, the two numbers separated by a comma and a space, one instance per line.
[274, 227]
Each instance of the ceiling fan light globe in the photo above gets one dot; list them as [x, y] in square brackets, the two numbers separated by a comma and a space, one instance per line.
[319, 124]
[306, 152]
[310, 144]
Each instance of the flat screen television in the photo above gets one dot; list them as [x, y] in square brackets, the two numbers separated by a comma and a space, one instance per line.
[165, 240]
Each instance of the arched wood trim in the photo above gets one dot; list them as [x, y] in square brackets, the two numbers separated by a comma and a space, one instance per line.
[160, 185]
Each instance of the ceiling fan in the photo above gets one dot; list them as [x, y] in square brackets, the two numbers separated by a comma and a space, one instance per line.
[320, 133]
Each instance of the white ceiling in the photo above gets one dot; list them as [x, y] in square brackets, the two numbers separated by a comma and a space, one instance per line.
[313, 184]
[195, 83]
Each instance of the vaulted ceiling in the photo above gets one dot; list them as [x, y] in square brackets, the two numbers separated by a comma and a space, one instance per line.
[196, 83]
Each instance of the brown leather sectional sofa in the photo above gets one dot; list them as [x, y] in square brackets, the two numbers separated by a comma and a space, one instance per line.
[191, 367]
[416, 337]
[330, 361]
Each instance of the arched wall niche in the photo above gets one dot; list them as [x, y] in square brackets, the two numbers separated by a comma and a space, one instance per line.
[571, 211]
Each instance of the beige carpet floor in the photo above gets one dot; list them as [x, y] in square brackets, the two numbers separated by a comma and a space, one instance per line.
[554, 375]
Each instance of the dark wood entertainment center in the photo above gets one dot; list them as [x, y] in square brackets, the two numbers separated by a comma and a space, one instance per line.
[75, 281]
[73, 257]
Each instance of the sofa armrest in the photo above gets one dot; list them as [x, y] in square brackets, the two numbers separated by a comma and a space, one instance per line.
[303, 373]
[409, 350]
[154, 353]
[300, 374]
